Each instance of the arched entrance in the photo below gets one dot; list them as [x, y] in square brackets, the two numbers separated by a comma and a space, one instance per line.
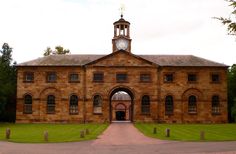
[121, 104]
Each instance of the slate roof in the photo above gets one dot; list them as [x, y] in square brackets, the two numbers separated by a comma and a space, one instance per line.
[161, 60]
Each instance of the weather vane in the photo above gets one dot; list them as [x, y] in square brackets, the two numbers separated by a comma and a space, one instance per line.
[122, 9]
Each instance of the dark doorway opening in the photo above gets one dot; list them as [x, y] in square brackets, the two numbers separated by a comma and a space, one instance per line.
[120, 115]
[121, 105]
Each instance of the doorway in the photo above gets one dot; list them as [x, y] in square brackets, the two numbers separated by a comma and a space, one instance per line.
[121, 105]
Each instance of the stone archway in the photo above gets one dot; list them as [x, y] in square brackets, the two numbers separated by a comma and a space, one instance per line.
[125, 113]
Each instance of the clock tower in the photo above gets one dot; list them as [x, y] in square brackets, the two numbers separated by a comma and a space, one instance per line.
[121, 39]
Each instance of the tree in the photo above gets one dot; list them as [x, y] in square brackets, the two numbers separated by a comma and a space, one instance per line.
[7, 82]
[230, 22]
[232, 93]
[58, 50]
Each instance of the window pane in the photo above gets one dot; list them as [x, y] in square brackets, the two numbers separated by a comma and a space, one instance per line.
[51, 77]
[97, 104]
[145, 107]
[28, 104]
[73, 104]
[121, 77]
[215, 78]
[98, 77]
[145, 77]
[192, 77]
[192, 104]
[169, 105]
[74, 77]
[29, 77]
[51, 104]
[215, 104]
[168, 78]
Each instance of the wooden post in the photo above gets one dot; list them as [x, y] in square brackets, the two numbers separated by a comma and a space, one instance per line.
[87, 131]
[154, 130]
[167, 132]
[202, 135]
[8, 133]
[45, 136]
[82, 134]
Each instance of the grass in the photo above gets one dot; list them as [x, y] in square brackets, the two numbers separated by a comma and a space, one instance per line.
[33, 133]
[190, 132]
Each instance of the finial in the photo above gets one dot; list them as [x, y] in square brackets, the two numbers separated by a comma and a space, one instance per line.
[122, 9]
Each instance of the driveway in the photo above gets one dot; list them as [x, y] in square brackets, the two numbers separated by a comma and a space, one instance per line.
[120, 138]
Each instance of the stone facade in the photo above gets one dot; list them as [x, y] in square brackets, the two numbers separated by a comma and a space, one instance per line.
[210, 79]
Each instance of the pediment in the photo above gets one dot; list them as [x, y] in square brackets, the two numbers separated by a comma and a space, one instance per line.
[121, 58]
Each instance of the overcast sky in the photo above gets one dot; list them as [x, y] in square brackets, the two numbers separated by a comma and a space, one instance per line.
[86, 27]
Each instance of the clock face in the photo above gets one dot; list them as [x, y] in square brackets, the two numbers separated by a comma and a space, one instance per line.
[121, 44]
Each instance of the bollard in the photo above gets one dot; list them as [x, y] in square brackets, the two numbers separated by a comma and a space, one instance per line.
[8, 133]
[202, 135]
[154, 130]
[87, 131]
[45, 136]
[82, 134]
[167, 132]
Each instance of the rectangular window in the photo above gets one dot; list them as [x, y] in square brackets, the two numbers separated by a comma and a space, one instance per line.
[215, 78]
[121, 77]
[145, 77]
[192, 77]
[168, 77]
[51, 77]
[28, 77]
[74, 77]
[98, 77]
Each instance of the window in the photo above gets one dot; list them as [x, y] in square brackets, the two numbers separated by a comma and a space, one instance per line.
[51, 104]
[145, 107]
[192, 104]
[215, 78]
[98, 77]
[192, 77]
[145, 77]
[74, 77]
[51, 77]
[97, 104]
[73, 104]
[28, 77]
[169, 105]
[168, 78]
[28, 104]
[121, 77]
[215, 104]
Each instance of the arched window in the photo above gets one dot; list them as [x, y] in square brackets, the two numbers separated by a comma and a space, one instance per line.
[97, 104]
[215, 104]
[51, 104]
[28, 104]
[169, 105]
[192, 104]
[145, 107]
[73, 104]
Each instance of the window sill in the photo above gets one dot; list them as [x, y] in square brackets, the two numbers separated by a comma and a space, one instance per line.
[215, 82]
[27, 112]
[73, 113]
[98, 81]
[51, 81]
[28, 81]
[146, 114]
[97, 114]
[145, 81]
[51, 113]
[192, 82]
[192, 113]
[215, 114]
[74, 81]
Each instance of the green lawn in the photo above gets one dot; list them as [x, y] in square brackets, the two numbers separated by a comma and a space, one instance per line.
[190, 132]
[33, 133]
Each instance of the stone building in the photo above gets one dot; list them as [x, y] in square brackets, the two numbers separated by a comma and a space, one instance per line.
[122, 86]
